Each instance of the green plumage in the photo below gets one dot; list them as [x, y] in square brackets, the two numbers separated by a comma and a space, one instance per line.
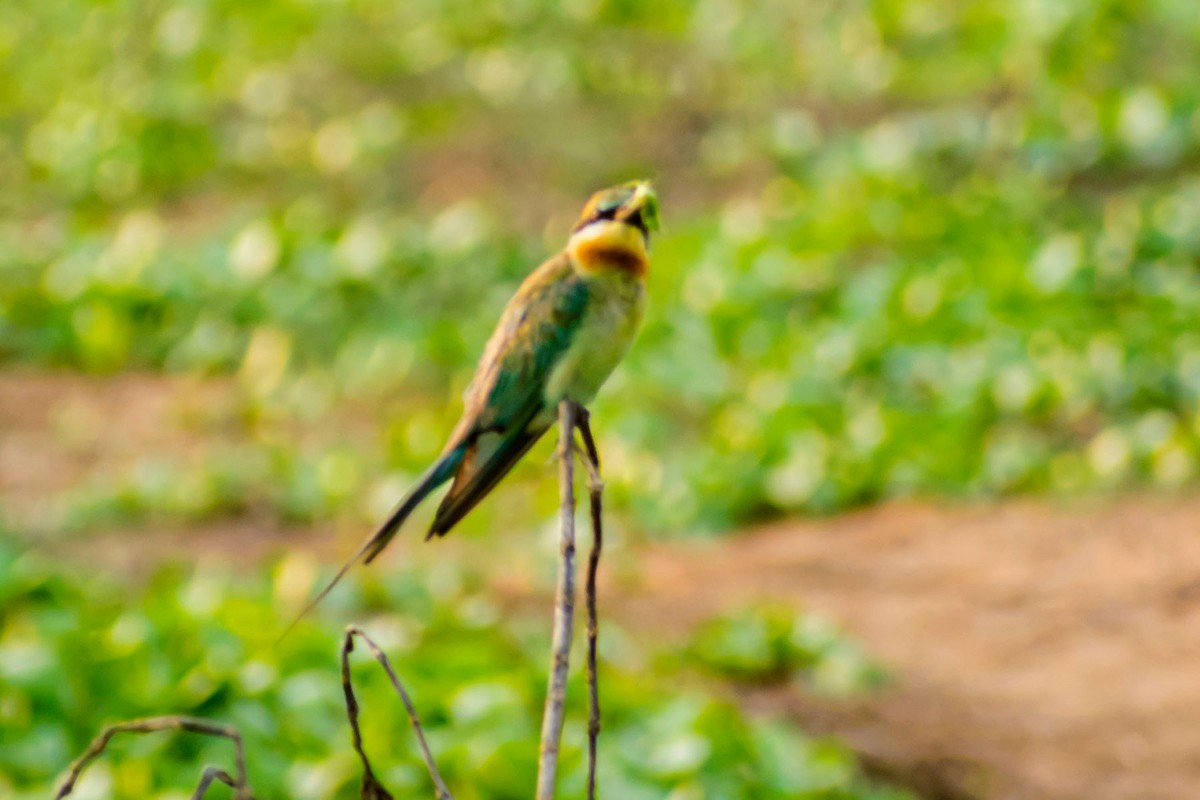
[559, 338]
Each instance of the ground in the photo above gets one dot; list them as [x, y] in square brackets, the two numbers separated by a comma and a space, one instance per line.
[1037, 650]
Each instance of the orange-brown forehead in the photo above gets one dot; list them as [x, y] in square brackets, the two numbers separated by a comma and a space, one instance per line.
[604, 199]
[589, 209]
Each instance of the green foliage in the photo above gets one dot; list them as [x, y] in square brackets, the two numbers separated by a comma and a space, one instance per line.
[75, 655]
[770, 643]
[910, 247]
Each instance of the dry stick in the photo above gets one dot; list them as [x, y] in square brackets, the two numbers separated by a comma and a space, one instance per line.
[209, 775]
[595, 495]
[372, 787]
[564, 609]
[173, 723]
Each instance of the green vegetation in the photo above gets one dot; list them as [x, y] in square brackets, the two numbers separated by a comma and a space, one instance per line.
[772, 643]
[73, 657]
[910, 247]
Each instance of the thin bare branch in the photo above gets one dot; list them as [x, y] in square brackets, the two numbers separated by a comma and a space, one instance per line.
[372, 789]
[564, 609]
[209, 775]
[170, 723]
[595, 497]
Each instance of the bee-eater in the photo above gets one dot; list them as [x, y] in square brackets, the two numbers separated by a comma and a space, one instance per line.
[559, 337]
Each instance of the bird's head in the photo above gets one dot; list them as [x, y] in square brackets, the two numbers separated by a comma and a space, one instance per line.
[613, 231]
[634, 204]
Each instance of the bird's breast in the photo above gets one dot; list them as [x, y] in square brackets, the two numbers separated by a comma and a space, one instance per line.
[603, 336]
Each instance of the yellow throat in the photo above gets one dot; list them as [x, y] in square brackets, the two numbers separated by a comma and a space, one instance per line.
[606, 246]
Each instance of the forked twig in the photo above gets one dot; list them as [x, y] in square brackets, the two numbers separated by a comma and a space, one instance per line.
[371, 788]
[172, 723]
[209, 775]
[564, 608]
[595, 496]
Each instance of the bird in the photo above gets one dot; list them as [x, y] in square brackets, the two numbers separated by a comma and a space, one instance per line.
[560, 336]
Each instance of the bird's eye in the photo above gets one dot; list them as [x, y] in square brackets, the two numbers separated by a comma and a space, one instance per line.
[607, 213]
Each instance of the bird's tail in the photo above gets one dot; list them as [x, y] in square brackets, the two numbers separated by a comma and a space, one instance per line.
[442, 470]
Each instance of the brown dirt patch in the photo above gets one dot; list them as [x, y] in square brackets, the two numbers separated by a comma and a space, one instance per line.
[61, 430]
[1038, 652]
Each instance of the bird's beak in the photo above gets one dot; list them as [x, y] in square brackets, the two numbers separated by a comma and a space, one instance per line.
[644, 203]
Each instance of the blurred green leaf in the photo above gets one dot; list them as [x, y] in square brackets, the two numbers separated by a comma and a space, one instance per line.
[77, 653]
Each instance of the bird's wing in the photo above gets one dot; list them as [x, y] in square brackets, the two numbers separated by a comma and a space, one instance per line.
[506, 400]
[503, 404]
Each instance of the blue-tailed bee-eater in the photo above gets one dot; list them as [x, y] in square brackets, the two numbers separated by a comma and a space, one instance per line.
[559, 338]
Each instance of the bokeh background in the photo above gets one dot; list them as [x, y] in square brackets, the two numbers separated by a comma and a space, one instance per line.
[916, 255]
